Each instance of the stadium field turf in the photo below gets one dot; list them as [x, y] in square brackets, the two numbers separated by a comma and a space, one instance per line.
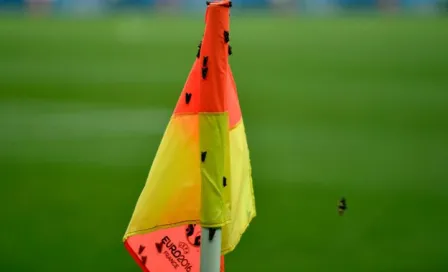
[333, 107]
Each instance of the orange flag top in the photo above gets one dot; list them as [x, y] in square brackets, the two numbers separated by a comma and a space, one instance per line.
[201, 175]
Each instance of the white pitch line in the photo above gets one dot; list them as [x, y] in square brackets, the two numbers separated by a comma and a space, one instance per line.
[42, 120]
[54, 131]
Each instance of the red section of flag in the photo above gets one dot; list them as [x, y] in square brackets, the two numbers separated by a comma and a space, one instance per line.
[188, 102]
[169, 250]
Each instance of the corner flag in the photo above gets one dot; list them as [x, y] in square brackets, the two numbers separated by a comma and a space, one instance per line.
[200, 178]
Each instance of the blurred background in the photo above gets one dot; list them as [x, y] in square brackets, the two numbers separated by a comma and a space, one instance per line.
[298, 6]
[341, 98]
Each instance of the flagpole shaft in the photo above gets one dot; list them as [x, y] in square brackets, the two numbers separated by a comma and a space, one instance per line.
[211, 250]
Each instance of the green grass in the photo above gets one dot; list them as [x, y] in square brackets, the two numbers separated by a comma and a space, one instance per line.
[353, 107]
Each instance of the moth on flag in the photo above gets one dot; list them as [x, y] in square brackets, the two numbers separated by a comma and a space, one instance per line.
[201, 174]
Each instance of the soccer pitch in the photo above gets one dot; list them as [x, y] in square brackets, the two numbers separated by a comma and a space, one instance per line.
[354, 107]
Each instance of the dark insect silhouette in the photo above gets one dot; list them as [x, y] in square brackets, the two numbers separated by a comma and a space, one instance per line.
[190, 230]
[193, 238]
[342, 206]
[197, 241]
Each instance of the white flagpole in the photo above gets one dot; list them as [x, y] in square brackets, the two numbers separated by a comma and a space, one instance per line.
[211, 250]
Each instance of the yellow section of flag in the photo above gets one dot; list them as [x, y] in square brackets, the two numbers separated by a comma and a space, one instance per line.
[172, 193]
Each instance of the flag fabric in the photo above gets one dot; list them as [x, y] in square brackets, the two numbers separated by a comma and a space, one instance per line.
[201, 174]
